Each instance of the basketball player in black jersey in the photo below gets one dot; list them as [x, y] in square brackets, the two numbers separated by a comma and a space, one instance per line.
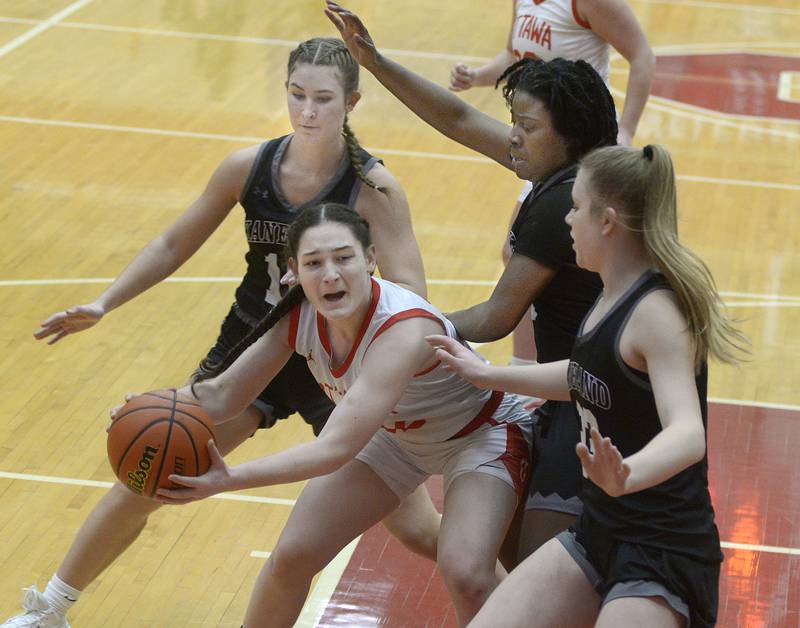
[560, 110]
[645, 551]
[320, 162]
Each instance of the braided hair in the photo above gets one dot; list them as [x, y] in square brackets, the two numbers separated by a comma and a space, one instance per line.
[310, 217]
[332, 52]
[577, 99]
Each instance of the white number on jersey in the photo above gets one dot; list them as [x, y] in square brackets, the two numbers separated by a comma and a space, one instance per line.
[588, 421]
[273, 270]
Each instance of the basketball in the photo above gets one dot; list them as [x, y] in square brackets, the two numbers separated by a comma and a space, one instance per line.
[155, 434]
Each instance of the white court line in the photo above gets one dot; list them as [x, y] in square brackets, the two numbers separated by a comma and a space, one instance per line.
[750, 8]
[762, 548]
[683, 110]
[51, 479]
[755, 404]
[350, 548]
[43, 26]
[263, 41]
[327, 582]
[403, 153]
[664, 49]
[760, 304]
[772, 300]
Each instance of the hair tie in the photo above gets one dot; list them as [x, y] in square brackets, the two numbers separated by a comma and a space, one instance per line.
[648, 152]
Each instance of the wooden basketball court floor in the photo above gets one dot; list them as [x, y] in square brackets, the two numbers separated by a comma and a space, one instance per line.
[112, 116]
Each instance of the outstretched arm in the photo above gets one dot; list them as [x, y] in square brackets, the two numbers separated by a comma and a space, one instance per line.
[164, 254]
[548, 381]
[615, 22]
[434, 104]
[389, 364]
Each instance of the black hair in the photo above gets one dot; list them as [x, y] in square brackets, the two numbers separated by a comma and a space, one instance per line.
[577, 99]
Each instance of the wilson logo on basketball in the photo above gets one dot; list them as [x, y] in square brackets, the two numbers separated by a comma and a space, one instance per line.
[137, 479]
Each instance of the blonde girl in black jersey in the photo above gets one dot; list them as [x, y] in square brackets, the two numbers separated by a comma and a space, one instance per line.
[646, 550]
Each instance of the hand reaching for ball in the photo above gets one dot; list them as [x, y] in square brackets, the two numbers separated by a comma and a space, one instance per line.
[216, 480]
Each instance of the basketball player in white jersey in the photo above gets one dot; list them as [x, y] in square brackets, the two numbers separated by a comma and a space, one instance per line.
[321, 161]
[399, 417]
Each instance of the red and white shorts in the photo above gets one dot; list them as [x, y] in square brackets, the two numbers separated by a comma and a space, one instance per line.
[497, 442]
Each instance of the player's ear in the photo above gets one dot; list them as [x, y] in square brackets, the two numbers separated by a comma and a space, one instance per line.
[352, 99]
[291, 263]
[369, 254]
[609, 218]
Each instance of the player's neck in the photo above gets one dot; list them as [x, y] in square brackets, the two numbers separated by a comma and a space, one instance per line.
[621, 267]
[315, 158]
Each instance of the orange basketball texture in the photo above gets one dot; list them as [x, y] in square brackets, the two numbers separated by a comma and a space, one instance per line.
[155, 434]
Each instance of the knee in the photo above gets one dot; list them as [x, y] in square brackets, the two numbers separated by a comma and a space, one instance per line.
[466, 578]
[123, 501]
[293, 560]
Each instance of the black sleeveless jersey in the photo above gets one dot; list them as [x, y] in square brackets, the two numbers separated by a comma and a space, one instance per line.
[676, 514]
[540, 233]
[267, 218]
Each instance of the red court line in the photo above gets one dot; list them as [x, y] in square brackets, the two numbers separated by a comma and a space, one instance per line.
[755, 485]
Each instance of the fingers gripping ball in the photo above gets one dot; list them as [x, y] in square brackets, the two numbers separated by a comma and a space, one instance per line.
[156, 434]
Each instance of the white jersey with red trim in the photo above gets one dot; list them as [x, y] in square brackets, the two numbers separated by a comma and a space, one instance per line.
[437, 403]
[547, 29]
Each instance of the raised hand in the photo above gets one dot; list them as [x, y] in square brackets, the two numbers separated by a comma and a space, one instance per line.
[459, 358]
[355, 35]
[605, 467]
[69, 321]
[216, 480]
[462, 77]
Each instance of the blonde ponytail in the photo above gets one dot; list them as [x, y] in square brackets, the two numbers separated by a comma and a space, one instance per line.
[640, 185]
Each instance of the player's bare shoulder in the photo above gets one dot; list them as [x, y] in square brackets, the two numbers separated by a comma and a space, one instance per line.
[239, 164]
[231, 174]
[658, 323]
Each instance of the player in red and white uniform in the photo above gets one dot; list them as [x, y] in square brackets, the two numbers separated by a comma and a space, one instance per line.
[573, 30]
[400, 417]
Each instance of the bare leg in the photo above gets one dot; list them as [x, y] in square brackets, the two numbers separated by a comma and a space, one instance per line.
[538, 527]
[548, 590]
[415, 523]
[477, 511]
[653, 612]
[120, 515]
[331, 511]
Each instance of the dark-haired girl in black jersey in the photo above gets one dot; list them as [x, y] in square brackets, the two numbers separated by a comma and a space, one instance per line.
[646, 550]
[320, 162]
